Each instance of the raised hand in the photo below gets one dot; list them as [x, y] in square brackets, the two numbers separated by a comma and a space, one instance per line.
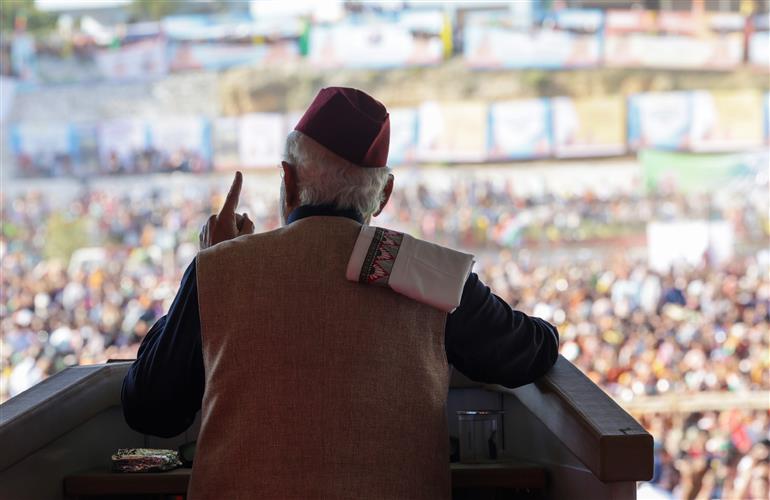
[227, 224]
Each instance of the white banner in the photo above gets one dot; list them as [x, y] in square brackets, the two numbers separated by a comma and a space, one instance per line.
[43, 149]
[727, 121]
[673, 51]
[291, 120]
[660, 120]
[376, 45]
[225, 142]
[452, 132]
[7, 95]
[138, 61]
[759, 49]
[520, 129]
[261, 139]
[403, 136]
[589, 126]
[119, 140]
[688, 243]
[183, 142]
[492, 47]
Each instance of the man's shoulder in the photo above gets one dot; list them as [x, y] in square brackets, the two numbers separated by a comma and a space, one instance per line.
[240, 243]
[302, 229]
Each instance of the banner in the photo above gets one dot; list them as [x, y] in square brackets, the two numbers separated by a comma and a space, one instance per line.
[519, 129]
[137, 61]
[688, 243]
[225, 142]
[374, 45]
[87, 154]
[594, 126]
[180, 143]
[687, 172]
[759, 49]
[673, 51]
[673, 40]
[7, 95]
[661, 120]
[291, 119]
[403, 136]
[44, 149]
[726, 121]
[625, 21]
[767, 119]
[123, 144]
[452, 132]
[217, 56]
[578, 20]
[226, 26]
[261, 139]
[495, 48]
[23, 56]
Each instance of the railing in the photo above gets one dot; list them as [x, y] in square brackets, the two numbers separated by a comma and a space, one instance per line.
[563, 423]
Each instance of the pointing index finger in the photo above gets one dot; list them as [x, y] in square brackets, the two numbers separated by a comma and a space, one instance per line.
[231, 202]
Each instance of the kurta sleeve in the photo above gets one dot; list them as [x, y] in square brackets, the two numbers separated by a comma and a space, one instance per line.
[163, 390]
[489, 342]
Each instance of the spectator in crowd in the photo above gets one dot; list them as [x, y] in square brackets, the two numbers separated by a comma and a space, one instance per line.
[614, 313]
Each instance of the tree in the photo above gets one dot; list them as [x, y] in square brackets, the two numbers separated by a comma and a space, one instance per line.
[36, 20]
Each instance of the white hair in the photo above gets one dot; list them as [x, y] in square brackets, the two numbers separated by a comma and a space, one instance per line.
[325, 178]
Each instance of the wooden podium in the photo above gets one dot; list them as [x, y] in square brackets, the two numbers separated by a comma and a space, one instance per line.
[563, 438]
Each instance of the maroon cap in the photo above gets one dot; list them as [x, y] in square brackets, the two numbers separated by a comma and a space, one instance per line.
[351, 124]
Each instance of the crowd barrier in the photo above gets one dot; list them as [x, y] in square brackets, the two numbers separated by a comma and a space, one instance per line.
[698, 402]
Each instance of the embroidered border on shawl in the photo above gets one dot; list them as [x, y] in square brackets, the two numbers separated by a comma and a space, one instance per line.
[380, 257]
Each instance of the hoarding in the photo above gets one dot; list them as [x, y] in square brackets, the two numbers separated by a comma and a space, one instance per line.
[673, 40]
[452, 132]
[495, 47]
[759, 49]
[216, 56]
[137, 61]
[673, 51]
[224, 134]
[291, 119]
[689, 172]
[261, 139]
[44, 149]
[661, 120]
[726, 121]
[123, 145]
[594, 126]
[767, 118]
[7, 95]
[403, 136]
[180, 143]
[519, 129]
[375, 45]
[688, 243]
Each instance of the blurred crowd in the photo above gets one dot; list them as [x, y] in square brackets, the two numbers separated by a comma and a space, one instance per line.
[84, 278]
[639, 333]
[711, 455]
[139, 161]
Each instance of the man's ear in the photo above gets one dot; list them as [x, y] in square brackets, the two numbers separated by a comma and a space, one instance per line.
[290, 185]
[386, 192]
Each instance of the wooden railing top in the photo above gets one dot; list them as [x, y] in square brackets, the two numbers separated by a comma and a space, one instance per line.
[608, 440]
[590, 424]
